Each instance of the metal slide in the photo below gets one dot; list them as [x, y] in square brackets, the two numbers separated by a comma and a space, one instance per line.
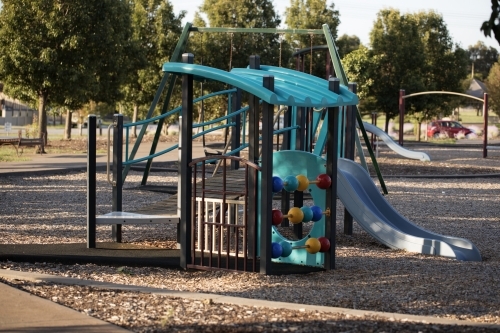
[415, 155]
[376, 216]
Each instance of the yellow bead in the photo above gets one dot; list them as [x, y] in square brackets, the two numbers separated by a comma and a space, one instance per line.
[295, 215]
[303, 182]
[313, 245]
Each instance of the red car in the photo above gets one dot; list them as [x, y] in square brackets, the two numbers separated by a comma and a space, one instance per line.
[448, 127]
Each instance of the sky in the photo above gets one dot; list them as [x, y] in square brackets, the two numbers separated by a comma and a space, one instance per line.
[463, 17]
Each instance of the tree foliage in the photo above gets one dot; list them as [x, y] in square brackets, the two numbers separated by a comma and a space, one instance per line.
[412, 52]
[493, 24]
[156, 30]
[493, 85]
[483, 58]
[347, 44]
[226, 51]
[311, 14]
[67, 52]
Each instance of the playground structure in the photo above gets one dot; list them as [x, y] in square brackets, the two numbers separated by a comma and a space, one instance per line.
[212, 232]
[484, 100]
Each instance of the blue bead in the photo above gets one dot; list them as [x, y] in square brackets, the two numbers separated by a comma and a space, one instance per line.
[276, 250]
[277, 184]
[291, 183]
[308, 214]
[286, 249]
[317, 213]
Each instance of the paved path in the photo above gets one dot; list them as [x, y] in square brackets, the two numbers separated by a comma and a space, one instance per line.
[60, 162]
[37, 277]
[23, 312]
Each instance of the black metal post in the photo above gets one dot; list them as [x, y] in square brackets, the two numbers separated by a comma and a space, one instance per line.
[253, 156]
[266, 200]
[116, 229]
[236, 137]
[485, 125]
[401, 115]
[91, 183]
[285, 195]
[331, 169]
[186, 158]
[350, 144]
[298, 196]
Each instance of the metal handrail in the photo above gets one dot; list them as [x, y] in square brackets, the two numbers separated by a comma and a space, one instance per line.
[111, 182]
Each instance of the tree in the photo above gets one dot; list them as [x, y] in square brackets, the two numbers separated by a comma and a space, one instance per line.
[156, 30]
[412, 52]
[482, 59]
[493, 24]
[395, 40]
[67, 52]
[346, 44]
[493, 85]
[226, 51]
[311, 14]
[361, 67]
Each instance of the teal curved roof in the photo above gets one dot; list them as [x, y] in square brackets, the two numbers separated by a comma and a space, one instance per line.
[290, 87]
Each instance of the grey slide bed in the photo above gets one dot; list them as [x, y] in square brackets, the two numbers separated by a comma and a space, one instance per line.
[415, 155]
[376, 216]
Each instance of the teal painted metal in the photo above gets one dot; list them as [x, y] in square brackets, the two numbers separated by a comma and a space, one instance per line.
[321, 141]
[210, 122]
[142, 159]
[286, 163]
[293, 90]
[260, 30]
[213, 129]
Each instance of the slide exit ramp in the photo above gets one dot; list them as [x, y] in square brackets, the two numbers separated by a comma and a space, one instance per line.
[376, 216]
[415, 155]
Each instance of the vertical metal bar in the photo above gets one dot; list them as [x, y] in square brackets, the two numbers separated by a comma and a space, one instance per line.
[331, 169]
[91, 182]
[298, 197]
[485, 122]
[116, 229]
[401, 115]
[193, 221]
[266, 200]
[253, 156]
[236, 137]
[285, 195]
[186, 158]
[350, 138]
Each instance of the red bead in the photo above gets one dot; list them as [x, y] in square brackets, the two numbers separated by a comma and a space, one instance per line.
[277, 217]
[325, 244]
[324, 181]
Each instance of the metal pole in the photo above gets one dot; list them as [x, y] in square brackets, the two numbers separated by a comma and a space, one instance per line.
[236, 134]
[253, 156]
[401, 115]
[374, 123]
[186, 158]
[349, 151]
[331, 169]
[91, 183]
[266, 199]
[485, 122]
[116, 229]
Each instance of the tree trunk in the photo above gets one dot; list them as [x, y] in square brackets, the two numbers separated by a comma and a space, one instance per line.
[386, 123]
[67, 125]
[134, 119]
[42, 118]
[419, 128]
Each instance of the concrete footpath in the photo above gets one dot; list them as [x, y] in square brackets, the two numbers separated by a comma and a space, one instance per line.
[23, 312]
[50, 163]
[221, 299]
